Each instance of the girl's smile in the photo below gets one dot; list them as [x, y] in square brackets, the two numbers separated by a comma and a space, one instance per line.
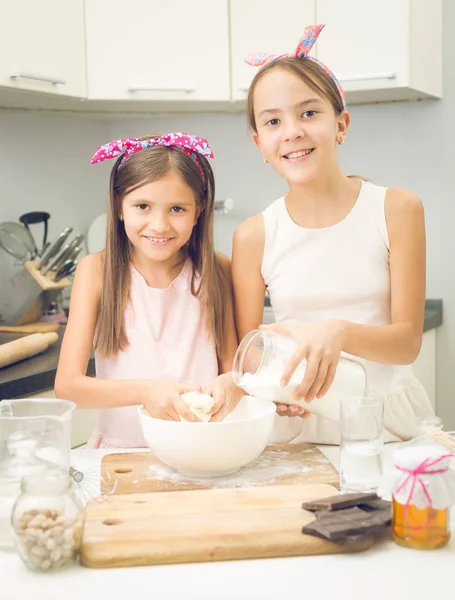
[159, 218]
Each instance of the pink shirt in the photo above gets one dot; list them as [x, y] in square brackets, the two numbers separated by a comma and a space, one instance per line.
[168, 340]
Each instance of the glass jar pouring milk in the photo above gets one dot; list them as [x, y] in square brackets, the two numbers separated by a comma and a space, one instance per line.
[261, 359]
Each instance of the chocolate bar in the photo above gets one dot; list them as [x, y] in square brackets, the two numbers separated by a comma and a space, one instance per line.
[340, 501]
[336, 526]
[348, 518]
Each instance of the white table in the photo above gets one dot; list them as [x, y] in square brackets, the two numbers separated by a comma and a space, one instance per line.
[385, 572]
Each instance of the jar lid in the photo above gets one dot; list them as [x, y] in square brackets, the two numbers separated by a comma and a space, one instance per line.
[411, 456]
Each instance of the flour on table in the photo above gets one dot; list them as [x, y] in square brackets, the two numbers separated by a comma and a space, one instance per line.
[268, 467]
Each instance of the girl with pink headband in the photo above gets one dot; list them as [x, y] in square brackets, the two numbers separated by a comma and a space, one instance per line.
[156, 304]
[342, 260]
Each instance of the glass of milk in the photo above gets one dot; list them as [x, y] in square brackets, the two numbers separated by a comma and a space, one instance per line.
[362, 423]
[260, 361]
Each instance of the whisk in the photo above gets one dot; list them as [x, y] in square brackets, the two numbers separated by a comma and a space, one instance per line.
[92, 484]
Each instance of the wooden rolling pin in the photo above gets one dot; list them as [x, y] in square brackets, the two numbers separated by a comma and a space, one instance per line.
[26, 347]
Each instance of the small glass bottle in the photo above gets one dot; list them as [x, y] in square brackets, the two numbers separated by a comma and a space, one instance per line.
[261, 359]
[20, 461]
[47, 521]
[423, 491]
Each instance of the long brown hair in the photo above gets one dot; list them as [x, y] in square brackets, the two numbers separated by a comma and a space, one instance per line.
[309, 72]
[208, 282]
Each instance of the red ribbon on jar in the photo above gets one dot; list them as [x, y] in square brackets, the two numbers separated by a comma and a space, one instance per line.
[424, 468]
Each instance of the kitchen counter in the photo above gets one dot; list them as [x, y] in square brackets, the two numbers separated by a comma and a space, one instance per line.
[37, 374]
[384, 571]
[34, 374]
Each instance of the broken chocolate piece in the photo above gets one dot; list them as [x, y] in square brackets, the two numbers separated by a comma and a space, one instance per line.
[375, 504]
[341, 525]
[340, 501]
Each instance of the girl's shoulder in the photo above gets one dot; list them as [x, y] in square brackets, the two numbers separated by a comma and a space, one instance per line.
[405, 217]
[89, 273]
[400, 202]
[251, 232]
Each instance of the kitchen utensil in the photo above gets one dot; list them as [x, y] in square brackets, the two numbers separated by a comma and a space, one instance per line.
[211, 449]
[61, 254]
[19, 294]
[17, 240]
[279, 464]
[77, 242]
[37, 327]
[204, 525]
[261, 359]
[32, 218]
[22, 296]
[25, 347]
[73, 251]
[68, 267]
[90, 484]
[68, 251]
[48, 419]
[70, 254]
[54, 247]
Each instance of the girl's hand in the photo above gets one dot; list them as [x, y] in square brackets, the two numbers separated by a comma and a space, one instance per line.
[320, 345]
[225, 394]
[292, 410]
[163, 400]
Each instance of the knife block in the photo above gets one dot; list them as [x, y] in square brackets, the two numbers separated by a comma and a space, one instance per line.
[21, 300]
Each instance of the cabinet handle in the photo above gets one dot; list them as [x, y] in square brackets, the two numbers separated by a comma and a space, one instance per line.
[367, 76]
[148, 88]
[36, 77]
[244, 88]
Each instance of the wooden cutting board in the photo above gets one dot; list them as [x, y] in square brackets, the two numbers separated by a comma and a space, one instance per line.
[204, 525]
[279, 464]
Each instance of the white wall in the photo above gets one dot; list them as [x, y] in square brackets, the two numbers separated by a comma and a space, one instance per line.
[44, 165]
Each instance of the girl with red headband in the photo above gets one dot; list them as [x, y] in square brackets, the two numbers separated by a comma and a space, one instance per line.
[156, 304]
[342, 260]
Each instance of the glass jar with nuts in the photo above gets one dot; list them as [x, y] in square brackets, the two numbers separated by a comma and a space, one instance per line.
[47, 521]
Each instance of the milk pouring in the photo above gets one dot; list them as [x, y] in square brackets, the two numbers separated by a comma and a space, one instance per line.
[259, 364]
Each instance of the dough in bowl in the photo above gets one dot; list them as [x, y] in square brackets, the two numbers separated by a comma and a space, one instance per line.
[199, 404]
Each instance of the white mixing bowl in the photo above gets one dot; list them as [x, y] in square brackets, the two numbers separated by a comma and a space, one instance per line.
[212, 449]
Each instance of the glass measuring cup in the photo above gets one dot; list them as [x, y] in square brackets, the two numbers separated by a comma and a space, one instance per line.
[47, 419]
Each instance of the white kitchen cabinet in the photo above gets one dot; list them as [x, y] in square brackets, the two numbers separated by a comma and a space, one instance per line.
[42, 46]
[82, 421]
[389, 50]
[425, 366]
[155, 50]
[264, 25]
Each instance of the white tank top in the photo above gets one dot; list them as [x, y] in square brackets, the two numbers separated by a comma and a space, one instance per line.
[337, 272]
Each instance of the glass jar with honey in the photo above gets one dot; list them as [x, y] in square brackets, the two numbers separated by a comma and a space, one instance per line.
[422, 494]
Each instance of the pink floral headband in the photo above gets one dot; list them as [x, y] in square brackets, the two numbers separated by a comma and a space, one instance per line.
[310, 35]
[191, 145]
